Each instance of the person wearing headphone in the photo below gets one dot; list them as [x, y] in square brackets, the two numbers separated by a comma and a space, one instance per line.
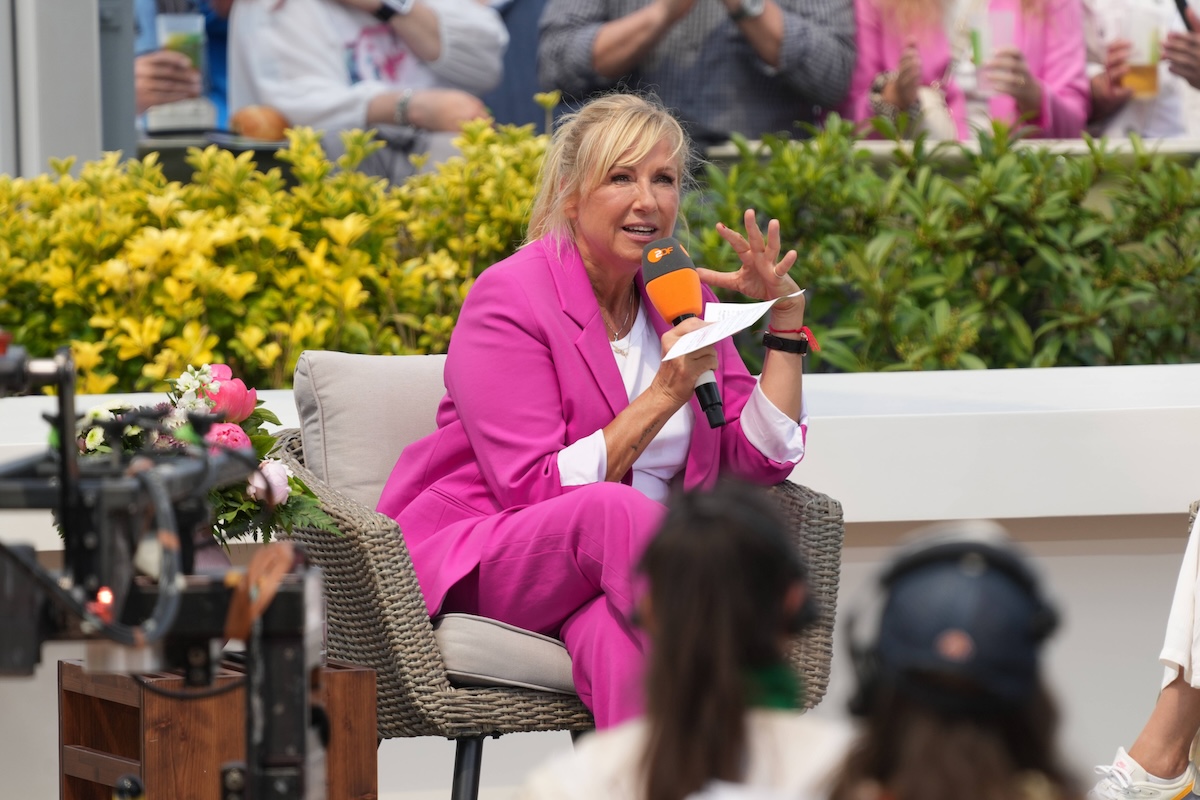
[949, 679]
[726, 592]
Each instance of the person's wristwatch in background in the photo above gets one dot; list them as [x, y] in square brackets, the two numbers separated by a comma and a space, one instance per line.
[392, 8]
[748, 9]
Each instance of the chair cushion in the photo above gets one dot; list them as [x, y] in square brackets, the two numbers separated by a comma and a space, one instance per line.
[357, 412]
[483, 652]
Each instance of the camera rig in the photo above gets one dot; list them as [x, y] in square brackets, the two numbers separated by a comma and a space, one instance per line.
[127, 522]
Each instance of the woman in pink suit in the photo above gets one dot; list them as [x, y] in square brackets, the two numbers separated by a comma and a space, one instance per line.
[562, 429]
[1040, 78]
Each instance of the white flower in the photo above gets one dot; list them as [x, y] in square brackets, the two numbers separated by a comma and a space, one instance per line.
[270, 481]
[95, 438]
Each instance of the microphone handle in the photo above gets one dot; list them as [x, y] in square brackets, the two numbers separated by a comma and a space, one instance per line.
[710, 399]
[707, 392]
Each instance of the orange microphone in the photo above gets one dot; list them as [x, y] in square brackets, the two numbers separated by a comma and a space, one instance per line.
[674, 288]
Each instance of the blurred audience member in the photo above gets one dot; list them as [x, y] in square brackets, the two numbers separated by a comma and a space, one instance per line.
[166, 76]
[727, 592]
[1158, 765]
[949, 676]
[512, 101]
[1159, 112]
[723, 66]
[915, 57]
[412, 69]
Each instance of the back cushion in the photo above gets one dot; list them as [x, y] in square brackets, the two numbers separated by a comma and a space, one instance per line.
[357, 413]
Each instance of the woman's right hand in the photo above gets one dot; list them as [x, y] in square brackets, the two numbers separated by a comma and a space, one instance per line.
[1108, 95]
[902, 90]
[444, 109]
[677, 378]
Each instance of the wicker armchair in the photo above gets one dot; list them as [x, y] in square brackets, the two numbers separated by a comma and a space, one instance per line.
[377, 615]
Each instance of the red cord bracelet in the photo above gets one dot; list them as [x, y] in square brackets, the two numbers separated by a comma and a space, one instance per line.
[808, 334]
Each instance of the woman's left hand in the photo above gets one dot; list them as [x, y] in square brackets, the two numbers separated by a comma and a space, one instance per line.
[763, 275]
[1008, 73]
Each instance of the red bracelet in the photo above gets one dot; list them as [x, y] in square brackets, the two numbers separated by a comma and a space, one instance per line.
[801, 330]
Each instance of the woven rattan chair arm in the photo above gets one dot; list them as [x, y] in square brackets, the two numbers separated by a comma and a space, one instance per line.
[818, 530]
[377, 614]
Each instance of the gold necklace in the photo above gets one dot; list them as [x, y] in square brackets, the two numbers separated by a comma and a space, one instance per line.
[616, 332]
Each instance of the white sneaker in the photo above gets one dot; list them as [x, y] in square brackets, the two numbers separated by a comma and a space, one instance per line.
[1125, 779]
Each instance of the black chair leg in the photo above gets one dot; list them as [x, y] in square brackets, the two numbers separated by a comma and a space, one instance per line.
[468, 761]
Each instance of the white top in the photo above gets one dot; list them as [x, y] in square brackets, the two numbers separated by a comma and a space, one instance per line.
[776, 436]
[320, 62]
[790, 753]
[1159, 116]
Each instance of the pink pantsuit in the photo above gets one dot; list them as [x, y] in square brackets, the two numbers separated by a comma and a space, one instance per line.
[490, 527]
[1051, 42]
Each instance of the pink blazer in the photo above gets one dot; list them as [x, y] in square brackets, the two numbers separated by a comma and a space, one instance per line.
[529, 371]
[1052, 43]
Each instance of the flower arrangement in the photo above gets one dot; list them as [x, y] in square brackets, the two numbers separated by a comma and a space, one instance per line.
[273, 499]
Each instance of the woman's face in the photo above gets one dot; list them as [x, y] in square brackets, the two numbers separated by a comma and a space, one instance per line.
[633, 205]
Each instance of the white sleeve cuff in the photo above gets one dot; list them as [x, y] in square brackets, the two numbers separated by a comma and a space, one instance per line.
[776, 435]
[584, 461]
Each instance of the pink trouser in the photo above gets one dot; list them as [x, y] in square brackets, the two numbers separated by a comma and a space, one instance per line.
[564, 567]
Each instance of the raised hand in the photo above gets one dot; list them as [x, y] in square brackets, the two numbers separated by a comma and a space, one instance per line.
[164, 76]
[763, 275]
[908, 78]
[1008, 73]
[1182, 51]
[1108, 95]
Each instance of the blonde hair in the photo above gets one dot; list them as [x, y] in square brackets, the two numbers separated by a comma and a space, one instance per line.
[612, 129]
[911, 17]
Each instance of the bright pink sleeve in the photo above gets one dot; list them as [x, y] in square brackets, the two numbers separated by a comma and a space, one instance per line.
[869, 39]
[1065, 87]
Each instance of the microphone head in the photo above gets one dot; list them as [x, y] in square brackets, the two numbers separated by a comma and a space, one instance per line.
[662, 256]
[671, 280]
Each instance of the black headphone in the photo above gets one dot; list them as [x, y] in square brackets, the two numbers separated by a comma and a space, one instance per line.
[959, 541]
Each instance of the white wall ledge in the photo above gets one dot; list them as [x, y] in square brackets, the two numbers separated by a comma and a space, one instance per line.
[911, 446]
[1006, 444]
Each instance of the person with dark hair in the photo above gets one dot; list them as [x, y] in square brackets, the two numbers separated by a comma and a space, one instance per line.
[949, 684]
[726, 591]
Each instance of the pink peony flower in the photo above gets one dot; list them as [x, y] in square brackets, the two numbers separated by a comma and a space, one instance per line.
[270, 482]
[231, 399]
[226, 434]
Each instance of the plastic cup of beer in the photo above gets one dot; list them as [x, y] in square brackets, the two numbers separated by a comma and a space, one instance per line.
[1145, 33]
[184, 33]
[990, 32]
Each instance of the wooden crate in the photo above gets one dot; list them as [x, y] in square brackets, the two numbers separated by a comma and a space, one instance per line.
[110, 726]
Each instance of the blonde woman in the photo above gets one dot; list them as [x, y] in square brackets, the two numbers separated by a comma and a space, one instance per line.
[904, 45]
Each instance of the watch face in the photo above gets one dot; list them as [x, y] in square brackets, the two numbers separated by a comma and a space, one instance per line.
[753, 8]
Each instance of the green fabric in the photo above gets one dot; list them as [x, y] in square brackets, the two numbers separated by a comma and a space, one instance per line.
[774, 686]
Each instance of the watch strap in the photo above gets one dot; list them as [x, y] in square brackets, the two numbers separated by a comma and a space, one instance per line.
[773, 342]
[392, 8]
[743, 12]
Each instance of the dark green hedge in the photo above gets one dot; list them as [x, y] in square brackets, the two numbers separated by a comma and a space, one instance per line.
[998, 254]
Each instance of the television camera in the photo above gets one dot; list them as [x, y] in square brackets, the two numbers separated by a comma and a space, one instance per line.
[127, 521]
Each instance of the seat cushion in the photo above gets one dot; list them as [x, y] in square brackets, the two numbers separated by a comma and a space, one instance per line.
[483, 652]
[357, 412]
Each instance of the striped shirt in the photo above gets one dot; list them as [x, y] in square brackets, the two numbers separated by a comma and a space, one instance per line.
[706, 71]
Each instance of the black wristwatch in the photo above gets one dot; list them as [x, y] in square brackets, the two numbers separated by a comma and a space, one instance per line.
[748, 9]
[392, 8]
[773, 342]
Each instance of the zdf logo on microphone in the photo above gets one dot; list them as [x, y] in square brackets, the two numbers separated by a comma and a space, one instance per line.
[657, 254]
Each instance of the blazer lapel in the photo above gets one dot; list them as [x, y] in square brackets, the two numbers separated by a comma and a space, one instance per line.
[579, 304]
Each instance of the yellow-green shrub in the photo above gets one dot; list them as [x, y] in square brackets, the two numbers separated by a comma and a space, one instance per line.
[142, 276]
